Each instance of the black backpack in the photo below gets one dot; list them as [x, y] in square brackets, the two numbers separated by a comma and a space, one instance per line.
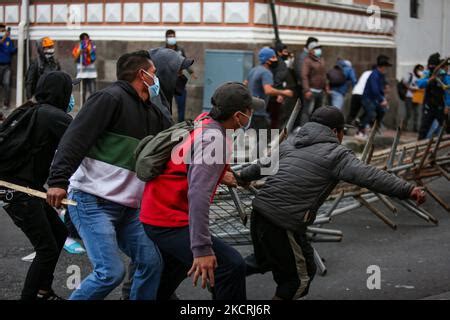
[336, 76]
[402, 90]
[15, 137]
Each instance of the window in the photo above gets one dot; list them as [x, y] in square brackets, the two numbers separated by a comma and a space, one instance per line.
[414, 8]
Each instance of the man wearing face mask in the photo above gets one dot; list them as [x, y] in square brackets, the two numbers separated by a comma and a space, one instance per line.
[181, 93]
[260, 82]
[45, 62]
[412, 108]
[178, 221]
[170, 67]
[40, 222]
[85, 55]
[314, 80]
[437, 94]
[282, 79]
[7, 50]
[312, 162]
[96, 154]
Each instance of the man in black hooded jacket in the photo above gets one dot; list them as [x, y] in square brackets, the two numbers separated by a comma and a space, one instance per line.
[34, 216]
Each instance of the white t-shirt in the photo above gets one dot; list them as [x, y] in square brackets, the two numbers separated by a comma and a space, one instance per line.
[361, 85]
[406, 80]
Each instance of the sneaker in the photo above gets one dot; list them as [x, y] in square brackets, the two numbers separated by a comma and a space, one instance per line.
[361, 136]
[30, 257]
[48, 296]
[73, 247]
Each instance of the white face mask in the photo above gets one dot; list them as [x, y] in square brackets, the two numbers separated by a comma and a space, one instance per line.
[171, 41]
[49, 53]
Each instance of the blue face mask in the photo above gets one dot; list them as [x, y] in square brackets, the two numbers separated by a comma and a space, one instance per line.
[71, 104]
[153, 90]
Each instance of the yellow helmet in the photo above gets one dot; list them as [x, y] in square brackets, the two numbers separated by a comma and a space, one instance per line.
[47, 42]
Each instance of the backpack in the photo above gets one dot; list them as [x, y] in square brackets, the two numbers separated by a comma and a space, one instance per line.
[336, 76]
[402, 90]
[15, 137]
[153, 152]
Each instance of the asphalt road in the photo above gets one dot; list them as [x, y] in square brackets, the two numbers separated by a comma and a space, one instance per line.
[414, 260]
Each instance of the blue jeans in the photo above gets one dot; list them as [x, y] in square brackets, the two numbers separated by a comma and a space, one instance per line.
[181, 105]
[337, 100]
[106, 227]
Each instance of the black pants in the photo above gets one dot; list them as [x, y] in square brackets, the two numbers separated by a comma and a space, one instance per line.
[288, 255]
[47, 234]
[72, 231]
[5, 81]
[286, 111]
[174, 244]
[429, 114]
[355, 107]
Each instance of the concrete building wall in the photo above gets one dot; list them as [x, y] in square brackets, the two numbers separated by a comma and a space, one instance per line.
[341, 26]
[417, 38]
[109, 51]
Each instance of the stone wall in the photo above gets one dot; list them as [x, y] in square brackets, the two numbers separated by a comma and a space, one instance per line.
[109, 51]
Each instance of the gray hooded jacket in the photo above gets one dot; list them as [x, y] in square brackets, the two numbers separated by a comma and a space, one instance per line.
[168, 63]
[312, 162]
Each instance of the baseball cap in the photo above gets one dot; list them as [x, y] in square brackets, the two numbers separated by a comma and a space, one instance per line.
[331, 117]
[383, 61]
[265, 54]
[233, 94]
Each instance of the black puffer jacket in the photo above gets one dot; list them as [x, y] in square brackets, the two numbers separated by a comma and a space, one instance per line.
[312, 162]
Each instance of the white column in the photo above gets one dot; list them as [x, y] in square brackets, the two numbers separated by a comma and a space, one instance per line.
[23, 25]
[445, 13]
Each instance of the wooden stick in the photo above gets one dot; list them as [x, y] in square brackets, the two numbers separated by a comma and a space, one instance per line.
[377, 212]
[34, 193]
